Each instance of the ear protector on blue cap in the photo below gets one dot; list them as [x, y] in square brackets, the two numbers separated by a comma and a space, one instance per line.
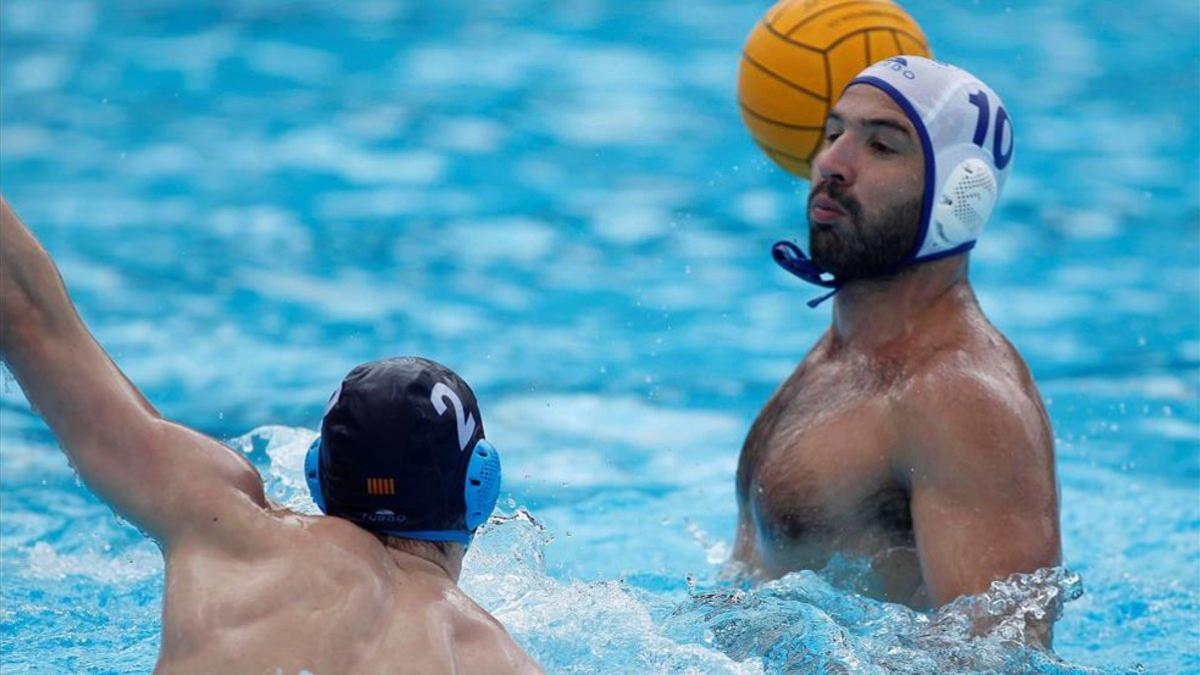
[483, 483]
[481, 491]
[312, 473]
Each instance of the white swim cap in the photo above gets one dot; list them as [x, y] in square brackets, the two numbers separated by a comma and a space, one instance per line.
[968, 143]
[967, 139]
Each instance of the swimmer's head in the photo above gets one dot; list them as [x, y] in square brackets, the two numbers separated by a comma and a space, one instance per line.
[402, 453]
[915, 157]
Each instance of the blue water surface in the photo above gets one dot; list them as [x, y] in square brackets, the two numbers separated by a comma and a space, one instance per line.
[557, 198]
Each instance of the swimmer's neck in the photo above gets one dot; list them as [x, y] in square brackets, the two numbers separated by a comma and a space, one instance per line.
[873, 313]
[406, 552]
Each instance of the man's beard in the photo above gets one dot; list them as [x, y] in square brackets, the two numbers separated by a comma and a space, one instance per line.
[861, 248]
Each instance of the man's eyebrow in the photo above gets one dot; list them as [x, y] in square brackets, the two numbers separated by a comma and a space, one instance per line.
[886, 122]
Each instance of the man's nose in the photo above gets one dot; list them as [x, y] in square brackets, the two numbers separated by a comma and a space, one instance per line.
[835, 162]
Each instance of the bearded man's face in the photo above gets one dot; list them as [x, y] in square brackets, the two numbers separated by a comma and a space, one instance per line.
[864, 208]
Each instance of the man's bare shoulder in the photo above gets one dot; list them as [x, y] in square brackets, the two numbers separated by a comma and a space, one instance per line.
[965, 393]
[481, 643]
[957, 377]
[965, 356]
[328, 553]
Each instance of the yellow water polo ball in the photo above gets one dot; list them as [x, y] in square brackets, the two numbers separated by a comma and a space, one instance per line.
[801, 56]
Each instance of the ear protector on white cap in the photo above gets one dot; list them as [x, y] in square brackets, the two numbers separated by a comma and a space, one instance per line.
[967, 139]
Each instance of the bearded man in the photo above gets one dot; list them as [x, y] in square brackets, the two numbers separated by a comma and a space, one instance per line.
[912, 433]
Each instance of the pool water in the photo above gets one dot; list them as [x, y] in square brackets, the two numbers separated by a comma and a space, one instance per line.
[558, 200]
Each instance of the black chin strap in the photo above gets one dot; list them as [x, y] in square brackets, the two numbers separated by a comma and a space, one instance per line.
[791, 258]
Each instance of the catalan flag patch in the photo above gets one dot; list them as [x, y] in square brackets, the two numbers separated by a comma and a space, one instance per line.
[381, 486]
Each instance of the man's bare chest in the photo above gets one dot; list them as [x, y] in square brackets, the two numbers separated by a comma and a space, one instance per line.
[819, 461]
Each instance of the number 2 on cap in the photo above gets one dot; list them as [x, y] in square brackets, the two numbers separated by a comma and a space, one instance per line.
[466, 427]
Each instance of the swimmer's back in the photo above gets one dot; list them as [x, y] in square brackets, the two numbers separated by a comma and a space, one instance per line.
[289, 593]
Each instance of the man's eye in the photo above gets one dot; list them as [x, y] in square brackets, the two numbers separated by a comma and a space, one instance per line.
[832, 136]
[881, 148]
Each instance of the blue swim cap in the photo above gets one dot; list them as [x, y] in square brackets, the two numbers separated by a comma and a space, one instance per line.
[402, 452]
[967, 139]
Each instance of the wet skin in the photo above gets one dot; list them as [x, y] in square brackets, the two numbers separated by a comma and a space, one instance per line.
[250, 586]
[911, 434]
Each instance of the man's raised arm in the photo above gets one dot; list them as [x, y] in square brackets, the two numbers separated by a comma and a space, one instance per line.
[165, 478]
